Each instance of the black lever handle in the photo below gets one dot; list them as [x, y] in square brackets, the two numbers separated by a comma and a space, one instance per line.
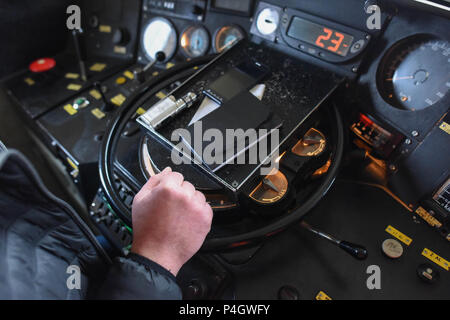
[107, 106]
[80, 52]
[355, 250]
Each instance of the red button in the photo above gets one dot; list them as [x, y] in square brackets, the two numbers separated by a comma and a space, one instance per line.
[43, 64]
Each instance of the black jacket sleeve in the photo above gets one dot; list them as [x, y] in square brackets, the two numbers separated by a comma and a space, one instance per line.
[136, 277]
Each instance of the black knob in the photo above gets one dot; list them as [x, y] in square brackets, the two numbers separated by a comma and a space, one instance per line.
[160, 56]
[288, 293]
[355, 250]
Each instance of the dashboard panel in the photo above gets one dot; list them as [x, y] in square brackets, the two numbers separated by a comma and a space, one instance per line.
[390, 82]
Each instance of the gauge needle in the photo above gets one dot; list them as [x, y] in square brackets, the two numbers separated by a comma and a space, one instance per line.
[400, 78]
[269, 184]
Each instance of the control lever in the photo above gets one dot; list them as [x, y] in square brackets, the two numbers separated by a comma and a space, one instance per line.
[80, 52]
[355, 250]
[139, 74]
[107, 106]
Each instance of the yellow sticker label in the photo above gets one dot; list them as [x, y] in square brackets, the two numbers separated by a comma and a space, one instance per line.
[74, 86]
[121, 80]
[436, 259]
[71, 75]
[161, 95]
[140, 111]
[129, 75]
[118, 100]
[169, 65]
[120, 49]
[95, 94]
[97, 67]
[29, 81]
[432, 221]
[322, 296]
[104, 28]
[155, 73]
[400, 236]
[99, 114]
[70, 109]
[445, 126]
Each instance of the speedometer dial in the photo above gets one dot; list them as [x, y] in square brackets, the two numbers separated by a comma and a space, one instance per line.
[415, 73]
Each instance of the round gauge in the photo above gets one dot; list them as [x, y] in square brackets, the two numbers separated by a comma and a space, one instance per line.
[267, 21]
[159, 36]
[311, 145]
[415, 73]
[226, 36]
[194, 41]
[271, 189]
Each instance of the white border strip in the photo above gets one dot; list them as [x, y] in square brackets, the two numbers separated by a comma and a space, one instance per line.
[437, 5]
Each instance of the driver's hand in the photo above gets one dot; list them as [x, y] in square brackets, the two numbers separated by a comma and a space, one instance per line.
[170, 220]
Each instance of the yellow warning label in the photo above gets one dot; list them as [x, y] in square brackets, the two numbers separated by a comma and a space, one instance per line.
[118, 100]
[99, 114]
[445, 126]
[140, 111]
[322, 296]
[169, 65]
[71, 75]
[95, 94]
[97, 67]
[161, 95]
[400, 236]
[120, 49]
[436, 259]
[70, 109]
[29, 81]
[74, 86]
[432, 221]
[129, 75]
[104, 28]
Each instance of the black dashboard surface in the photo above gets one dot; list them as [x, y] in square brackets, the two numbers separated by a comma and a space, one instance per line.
[359, 214]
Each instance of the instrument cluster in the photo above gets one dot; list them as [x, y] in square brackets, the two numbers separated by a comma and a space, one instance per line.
[181, 39]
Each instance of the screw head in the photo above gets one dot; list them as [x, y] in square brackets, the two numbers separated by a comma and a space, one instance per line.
[408, 141]
[415, 133]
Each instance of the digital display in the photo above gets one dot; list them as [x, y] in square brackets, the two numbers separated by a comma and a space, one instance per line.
[320, 36]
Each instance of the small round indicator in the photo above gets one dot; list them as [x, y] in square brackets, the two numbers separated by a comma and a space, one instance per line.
[80, 103]
[194, 41]
[227, 36]
[42, 65]
[271, 189]
[392, 248]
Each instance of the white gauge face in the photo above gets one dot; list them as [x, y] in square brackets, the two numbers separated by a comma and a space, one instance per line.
[159, 35]
[195, 41]
[267, 21]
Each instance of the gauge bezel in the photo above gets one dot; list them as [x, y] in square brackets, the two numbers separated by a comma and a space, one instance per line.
[388, 58]
[238, 27]
[143, 49]
[183, 50]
